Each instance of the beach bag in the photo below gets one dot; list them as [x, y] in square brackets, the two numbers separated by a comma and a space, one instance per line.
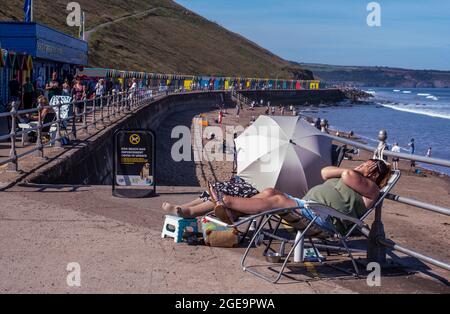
[218, 236]
[236, 187]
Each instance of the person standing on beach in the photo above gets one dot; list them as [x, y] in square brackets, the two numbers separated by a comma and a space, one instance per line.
[220, 118]
[412, 147]
[317, 124]
[238, 111]
[53, 87]
[395, 149]
[429, 152]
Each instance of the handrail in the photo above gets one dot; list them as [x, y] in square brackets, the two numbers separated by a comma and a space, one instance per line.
[427, 160]
[377, 237]
[116, 104]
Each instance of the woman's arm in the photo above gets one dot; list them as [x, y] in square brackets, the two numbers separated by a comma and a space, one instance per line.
[332, 172]
[362, 185]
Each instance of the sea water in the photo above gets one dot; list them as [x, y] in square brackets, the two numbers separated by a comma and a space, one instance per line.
[419, 113]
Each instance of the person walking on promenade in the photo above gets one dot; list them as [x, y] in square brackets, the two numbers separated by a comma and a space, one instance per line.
[28, 94]
[78, 94]
[100, 90]
[53, 87]
[238, 111]
[412, 150]
[429, 152]
[66, 90]
[220, 118]
[395, 160]
[14, 89]
[282, 110]
[133, 90]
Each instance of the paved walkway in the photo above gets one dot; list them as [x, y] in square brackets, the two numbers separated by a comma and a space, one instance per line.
[118, 246]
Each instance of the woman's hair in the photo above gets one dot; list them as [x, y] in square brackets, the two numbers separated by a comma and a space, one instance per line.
[384, 172]
[42, 99]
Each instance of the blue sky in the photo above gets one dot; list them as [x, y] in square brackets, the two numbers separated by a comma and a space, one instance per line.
[413, 34]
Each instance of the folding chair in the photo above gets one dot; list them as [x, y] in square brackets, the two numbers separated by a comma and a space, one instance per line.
[302, 234]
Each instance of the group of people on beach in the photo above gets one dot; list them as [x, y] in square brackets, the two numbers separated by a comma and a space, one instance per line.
[412, 149]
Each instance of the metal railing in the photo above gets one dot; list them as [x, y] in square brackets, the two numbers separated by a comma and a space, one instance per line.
[240, 99]
[83, 115]
[376, 233]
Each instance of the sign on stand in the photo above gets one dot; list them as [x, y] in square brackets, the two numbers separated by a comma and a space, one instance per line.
[134, 164]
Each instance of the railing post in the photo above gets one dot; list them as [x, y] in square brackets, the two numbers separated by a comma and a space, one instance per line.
[58, 126]
[94, 117]
[116, 104]
[108, 109]
[101, 110]
[128, 101]
[74, 120]
[122, 102]
[376, 252]
[39, 146]
[382, 146]
[14, 164]
[85, 127]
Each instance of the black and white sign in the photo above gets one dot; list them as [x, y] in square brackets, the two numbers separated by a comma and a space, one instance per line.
[134, 162]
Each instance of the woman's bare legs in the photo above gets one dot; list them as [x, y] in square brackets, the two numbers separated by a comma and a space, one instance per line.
[190, 211]
[263, 201]
[266, 200]
[195, 202]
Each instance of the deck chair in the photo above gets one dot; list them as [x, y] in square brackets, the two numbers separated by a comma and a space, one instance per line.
[64, 111]
[30, 127]
[337, 156]
[303, 230]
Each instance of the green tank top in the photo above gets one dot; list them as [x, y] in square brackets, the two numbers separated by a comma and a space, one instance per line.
[336, 194]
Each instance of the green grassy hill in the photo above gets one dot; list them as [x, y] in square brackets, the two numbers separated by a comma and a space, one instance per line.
[159, 36]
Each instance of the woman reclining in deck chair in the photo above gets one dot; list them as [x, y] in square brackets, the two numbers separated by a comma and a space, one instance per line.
[350, 191]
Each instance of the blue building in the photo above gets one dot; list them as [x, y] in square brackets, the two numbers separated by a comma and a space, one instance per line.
[49, 49]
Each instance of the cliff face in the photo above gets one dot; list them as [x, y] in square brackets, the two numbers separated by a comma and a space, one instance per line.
[160, 36]
[380, 76]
